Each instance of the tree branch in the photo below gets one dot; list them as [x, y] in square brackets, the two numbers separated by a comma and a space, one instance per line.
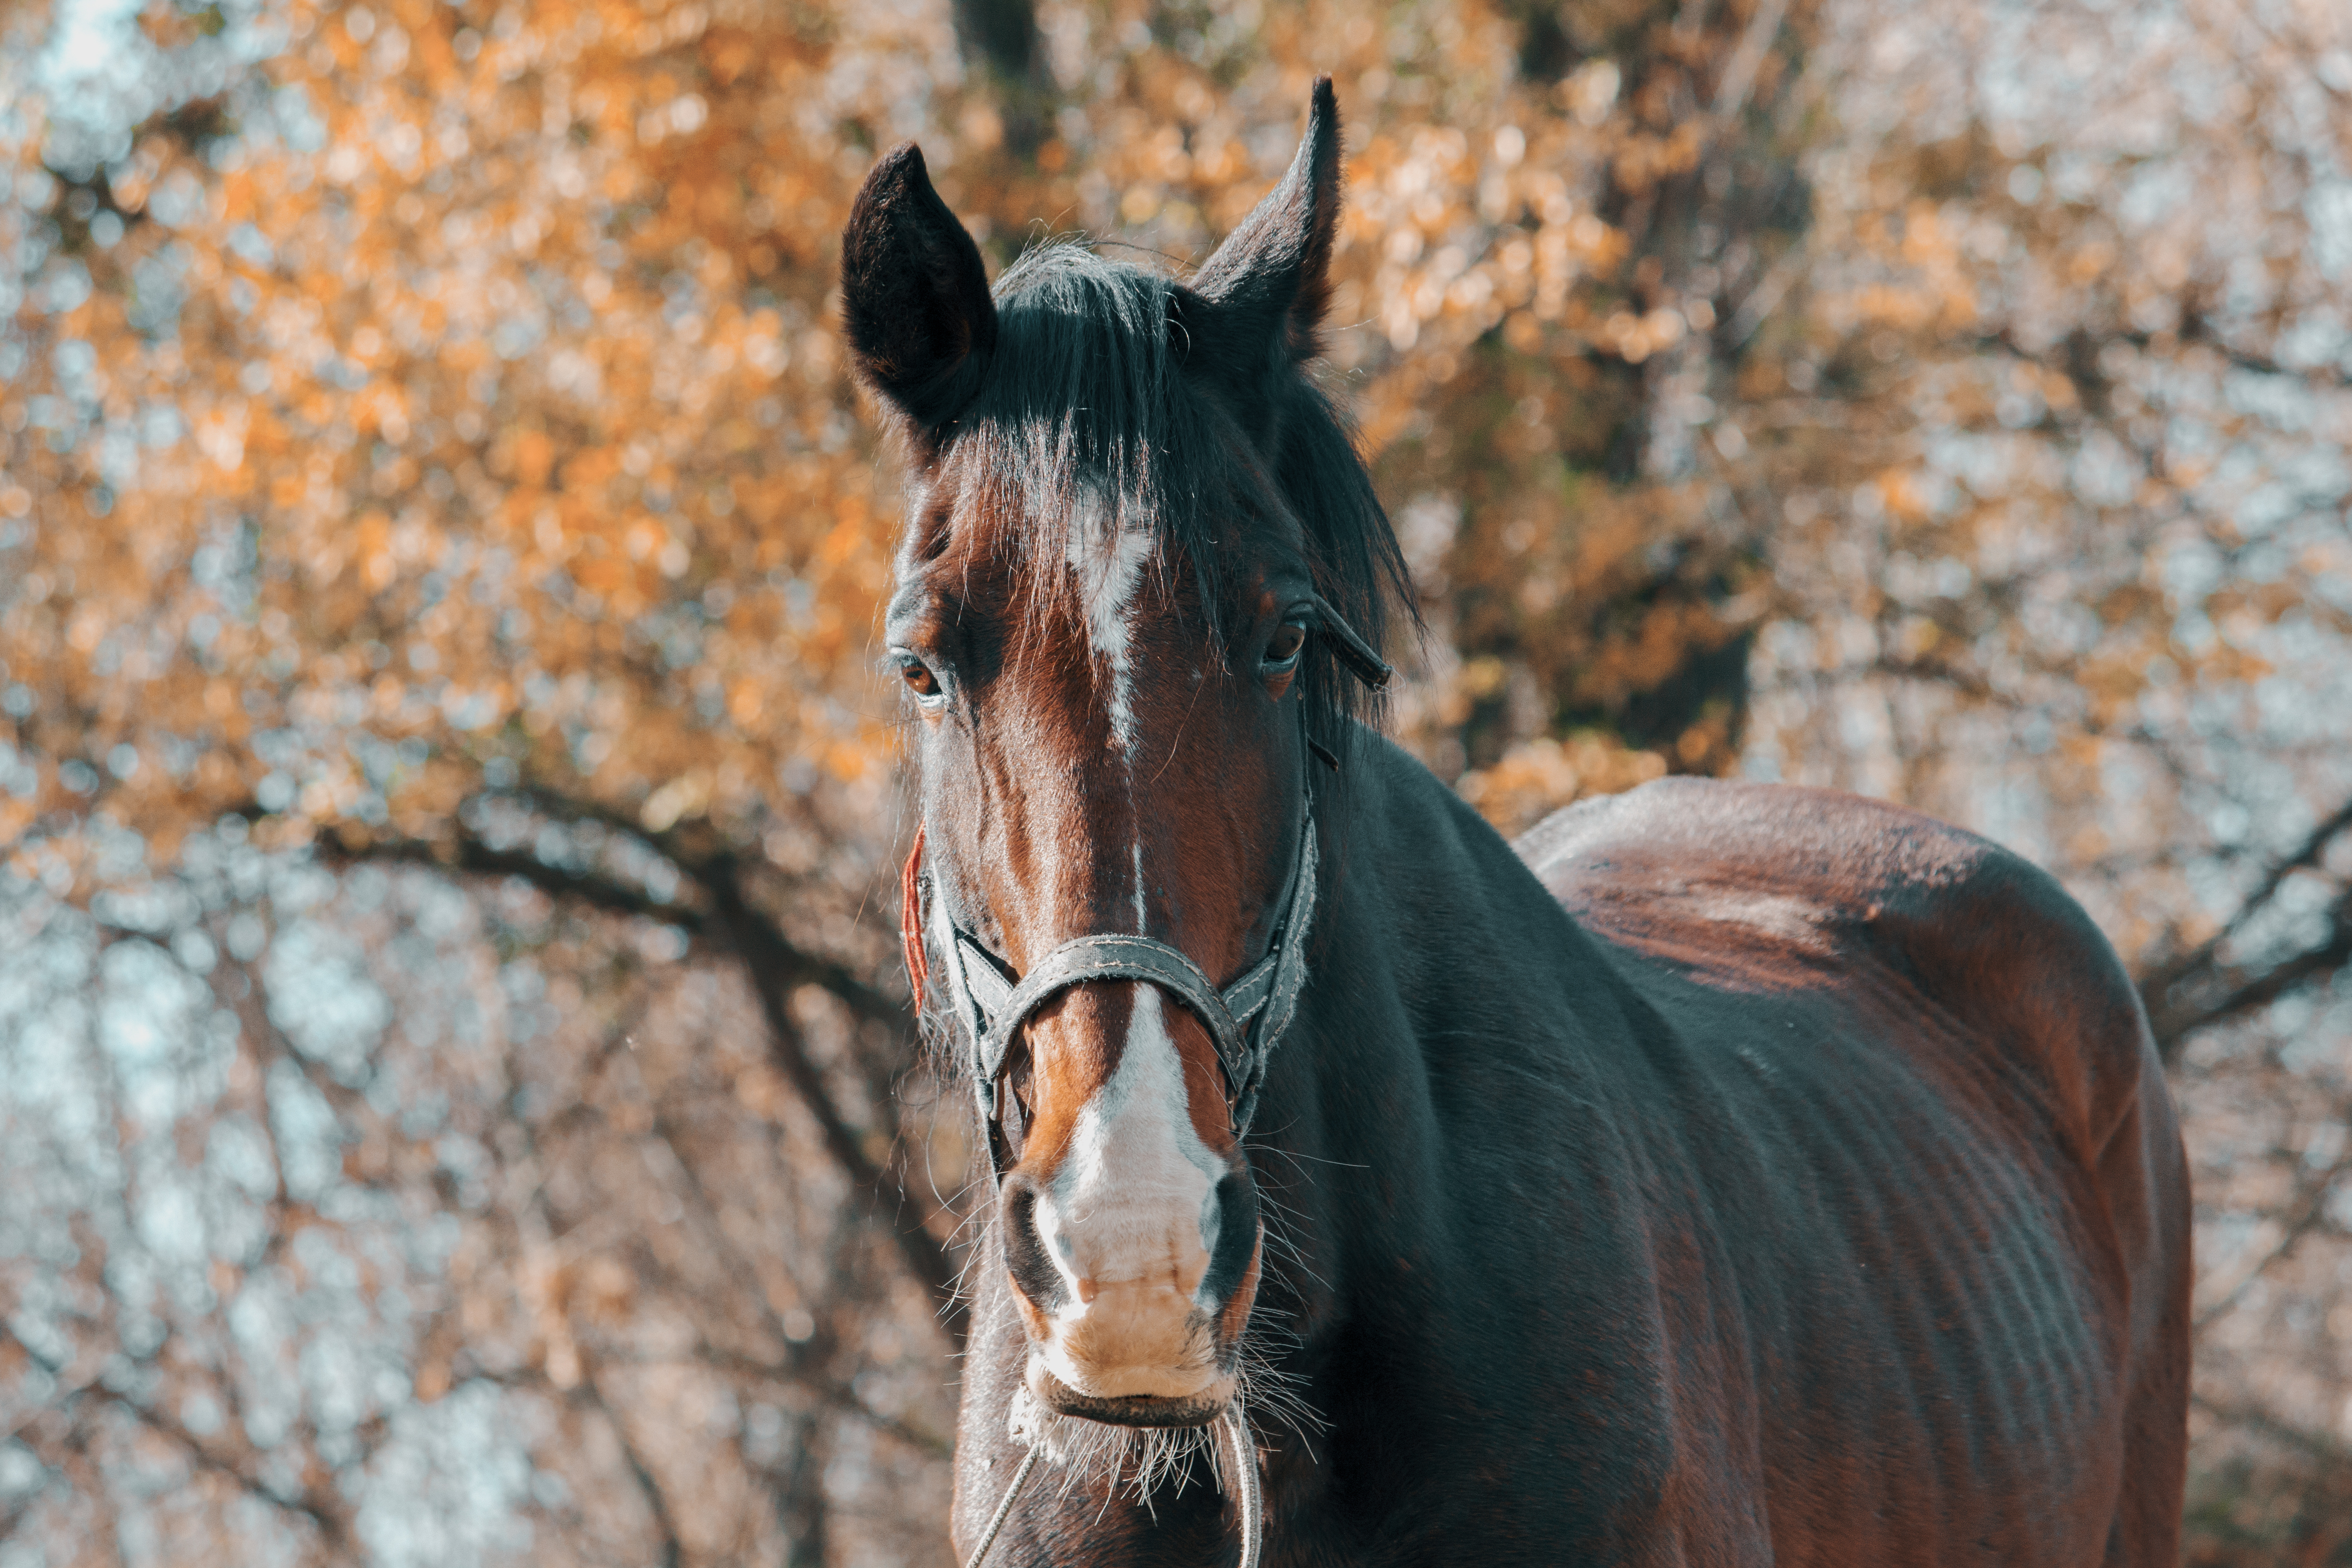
[2304, 1213]
[797, 1365]
[470, 856]
[2195, 331]
[2197, 990]
[656, 1503]
[999, 36]
[770, 961]
[2189, 1011]
[87, 1474]
[2314, 847]
[774, 966]
[328, 1516]
[1739, 74]
[2321, 1445]
[804, 968]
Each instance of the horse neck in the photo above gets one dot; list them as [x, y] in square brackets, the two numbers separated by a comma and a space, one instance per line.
[1419, 897]
[1423, 907]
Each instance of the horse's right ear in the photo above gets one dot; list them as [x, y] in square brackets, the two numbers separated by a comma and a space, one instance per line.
[1269, 284]
[915, 295]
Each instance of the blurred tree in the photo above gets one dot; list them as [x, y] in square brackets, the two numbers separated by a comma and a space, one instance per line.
[1001, 44]
[452, 1042]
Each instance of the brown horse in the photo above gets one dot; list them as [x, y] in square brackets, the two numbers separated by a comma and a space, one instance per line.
[1721, 1174]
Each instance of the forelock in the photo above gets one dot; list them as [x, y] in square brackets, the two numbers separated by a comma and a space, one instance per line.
[1087, 427]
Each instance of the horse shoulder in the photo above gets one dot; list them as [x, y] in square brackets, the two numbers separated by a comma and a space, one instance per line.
[1771, 888]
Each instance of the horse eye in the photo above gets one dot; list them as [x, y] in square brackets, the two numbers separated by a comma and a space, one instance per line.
[917, 677]
[1283, 650]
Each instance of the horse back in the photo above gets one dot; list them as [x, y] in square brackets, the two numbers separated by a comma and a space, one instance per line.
[1912, 1054]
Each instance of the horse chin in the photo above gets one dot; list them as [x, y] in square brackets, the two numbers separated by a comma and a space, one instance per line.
[1198, 1408]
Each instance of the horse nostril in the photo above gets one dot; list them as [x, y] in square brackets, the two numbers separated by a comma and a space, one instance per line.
[1026, 1258]
[1236, 1241]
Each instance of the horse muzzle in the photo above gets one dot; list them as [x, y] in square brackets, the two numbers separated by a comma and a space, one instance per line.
[1140, 1350]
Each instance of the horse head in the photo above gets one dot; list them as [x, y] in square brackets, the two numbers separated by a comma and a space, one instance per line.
[1137, 550]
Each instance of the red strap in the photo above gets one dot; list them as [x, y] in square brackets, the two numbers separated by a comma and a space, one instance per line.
[910, 920]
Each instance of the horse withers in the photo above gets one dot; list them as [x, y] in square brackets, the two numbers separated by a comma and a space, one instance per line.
[1722, 1173]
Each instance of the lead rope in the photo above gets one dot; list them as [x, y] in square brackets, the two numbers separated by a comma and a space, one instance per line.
[1245, 1478]
[1005, 1509]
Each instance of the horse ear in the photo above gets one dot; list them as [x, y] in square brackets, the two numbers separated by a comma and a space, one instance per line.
[915, 294]
[1273, 275]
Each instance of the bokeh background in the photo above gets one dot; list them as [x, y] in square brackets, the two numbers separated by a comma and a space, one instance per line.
[458, 1101]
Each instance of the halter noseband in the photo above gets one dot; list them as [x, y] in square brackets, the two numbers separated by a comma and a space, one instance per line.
[1244, 1019]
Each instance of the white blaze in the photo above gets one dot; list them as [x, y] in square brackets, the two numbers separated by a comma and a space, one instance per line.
[1108, 578]
[1109, 561]
[1135, 1200]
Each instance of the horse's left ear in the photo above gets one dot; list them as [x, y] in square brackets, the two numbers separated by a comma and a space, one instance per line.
[1271, 280]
